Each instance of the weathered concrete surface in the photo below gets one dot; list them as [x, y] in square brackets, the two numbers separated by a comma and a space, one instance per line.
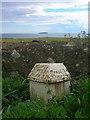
[74, 55]
[49, 73]
[47, 80]
[46, 91]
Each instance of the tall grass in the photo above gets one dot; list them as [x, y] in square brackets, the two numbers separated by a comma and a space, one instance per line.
[16, 102]
[14, 90]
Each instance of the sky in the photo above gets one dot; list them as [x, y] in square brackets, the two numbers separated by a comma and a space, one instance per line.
[55, 16]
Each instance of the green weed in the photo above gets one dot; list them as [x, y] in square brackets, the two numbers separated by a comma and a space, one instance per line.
[71, 106]
[14, 89]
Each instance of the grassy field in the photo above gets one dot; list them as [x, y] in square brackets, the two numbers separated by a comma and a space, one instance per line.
[17, 104]
[40, 39]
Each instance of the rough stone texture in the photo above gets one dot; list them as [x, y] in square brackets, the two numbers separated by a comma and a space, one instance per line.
[75, 56]
[50, 60]
[49, 73]
[15, 54]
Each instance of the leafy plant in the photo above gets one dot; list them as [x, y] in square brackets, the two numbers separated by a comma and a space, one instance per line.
[14, 89]
[16, 103]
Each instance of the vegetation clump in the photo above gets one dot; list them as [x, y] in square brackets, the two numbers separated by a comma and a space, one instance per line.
[17, 104]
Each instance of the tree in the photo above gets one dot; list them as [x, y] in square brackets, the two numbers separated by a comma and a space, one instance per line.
[65, 35]
[69, 35]
[88, 35]
[78, 35]
[83, 34]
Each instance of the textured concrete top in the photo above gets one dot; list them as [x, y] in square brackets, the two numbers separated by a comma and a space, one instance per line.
[49, 73]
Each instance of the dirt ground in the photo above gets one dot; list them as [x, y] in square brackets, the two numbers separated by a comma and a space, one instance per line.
[21, 55]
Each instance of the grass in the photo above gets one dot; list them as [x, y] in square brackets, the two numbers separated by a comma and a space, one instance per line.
[16, 102]
[14, 89]
[44, 38]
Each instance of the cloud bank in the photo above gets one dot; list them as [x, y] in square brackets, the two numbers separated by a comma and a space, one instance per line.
[49, 16]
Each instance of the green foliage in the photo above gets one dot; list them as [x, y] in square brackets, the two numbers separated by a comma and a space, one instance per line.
[18, 105]
[78, 114]
[14, 89]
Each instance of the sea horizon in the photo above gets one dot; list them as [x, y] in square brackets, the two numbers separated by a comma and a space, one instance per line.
[34, 35]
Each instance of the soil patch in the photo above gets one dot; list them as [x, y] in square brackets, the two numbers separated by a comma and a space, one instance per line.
[74, 54]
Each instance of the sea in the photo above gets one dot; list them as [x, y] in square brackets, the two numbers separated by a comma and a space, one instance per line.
[32, 35]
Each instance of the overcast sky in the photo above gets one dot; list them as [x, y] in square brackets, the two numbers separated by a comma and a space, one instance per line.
[67, 16]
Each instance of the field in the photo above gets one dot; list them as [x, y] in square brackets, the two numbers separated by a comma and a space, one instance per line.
[72, 52]
[16, 102]
[45, 38]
